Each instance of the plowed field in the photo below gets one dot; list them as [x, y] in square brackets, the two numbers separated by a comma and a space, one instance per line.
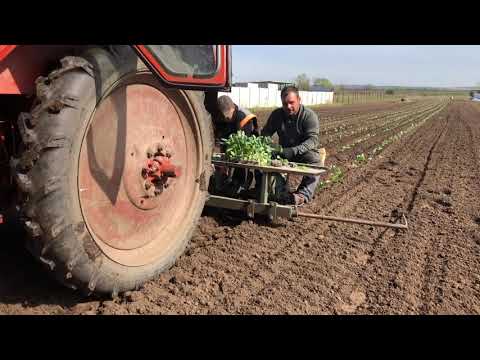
[422, 160]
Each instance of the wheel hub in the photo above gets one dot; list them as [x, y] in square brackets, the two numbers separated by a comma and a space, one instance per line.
[149, 175]
[157, 172]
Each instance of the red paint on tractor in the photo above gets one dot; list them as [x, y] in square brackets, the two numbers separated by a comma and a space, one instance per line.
[156, 174]
[21, 65]
[5, 50]
[160, 167]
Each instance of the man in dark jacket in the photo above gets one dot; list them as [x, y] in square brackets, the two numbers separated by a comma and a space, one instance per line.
[232, 119]
[298, 132]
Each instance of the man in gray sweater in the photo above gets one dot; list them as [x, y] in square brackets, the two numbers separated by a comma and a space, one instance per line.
[298, 132]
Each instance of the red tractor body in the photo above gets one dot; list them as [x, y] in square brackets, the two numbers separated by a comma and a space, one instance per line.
[105, 154]
[20, 65]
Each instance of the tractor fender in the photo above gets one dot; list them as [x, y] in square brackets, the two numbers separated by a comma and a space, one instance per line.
[20, 65]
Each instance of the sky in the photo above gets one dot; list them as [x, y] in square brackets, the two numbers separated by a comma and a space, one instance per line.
[402, 65]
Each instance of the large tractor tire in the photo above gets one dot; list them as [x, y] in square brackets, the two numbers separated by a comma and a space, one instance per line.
[97, 122]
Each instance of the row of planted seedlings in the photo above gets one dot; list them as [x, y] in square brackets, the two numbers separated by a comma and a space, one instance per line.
[427, 110]
[352, 127]
[376, 149]
[340, 124]
[393, 118]
[337, 173]
[399, 122]
[365, 123]
[364, 133]
[331, 120]
[341, 113]
[351, 121]
[367, 131]
[380, 147]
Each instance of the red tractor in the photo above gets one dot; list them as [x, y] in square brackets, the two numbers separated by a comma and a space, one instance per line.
[105, 155]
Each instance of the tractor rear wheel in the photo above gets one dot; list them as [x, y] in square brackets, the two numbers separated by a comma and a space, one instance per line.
[98, 214]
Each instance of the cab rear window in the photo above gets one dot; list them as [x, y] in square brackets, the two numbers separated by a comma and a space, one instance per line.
[197, 61]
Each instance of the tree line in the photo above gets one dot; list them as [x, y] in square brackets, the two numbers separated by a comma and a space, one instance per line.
[303, 82]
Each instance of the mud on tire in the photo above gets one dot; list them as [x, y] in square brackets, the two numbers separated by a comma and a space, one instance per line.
[47, 172]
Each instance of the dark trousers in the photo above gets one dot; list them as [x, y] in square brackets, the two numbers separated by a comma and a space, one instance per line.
[309, 183]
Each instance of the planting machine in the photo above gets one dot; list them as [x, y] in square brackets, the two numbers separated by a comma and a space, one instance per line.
[266, 204]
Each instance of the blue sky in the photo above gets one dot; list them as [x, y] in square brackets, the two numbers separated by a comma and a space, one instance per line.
[403, 65]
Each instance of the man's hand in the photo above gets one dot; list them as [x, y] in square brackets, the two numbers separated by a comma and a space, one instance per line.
[276, 147]
[277, 150]
[286, 153]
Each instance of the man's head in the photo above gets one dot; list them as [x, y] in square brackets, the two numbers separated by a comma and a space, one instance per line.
[226, 107]
[290, 100]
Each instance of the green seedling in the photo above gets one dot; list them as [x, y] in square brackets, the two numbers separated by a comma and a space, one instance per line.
[337, 174]
[361, 158]
[255, 149]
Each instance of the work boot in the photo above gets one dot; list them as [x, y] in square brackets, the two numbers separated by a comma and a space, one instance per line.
[285, 198]
[292, 199]
[298, 199]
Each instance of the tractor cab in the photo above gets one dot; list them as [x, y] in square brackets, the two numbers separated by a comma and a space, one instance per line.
[200, 67]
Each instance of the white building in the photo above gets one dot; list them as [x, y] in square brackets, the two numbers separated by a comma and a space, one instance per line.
[267, 94]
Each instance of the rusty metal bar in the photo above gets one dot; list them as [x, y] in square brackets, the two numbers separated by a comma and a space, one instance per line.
[251, 207]
[355, 221]
[306, 169]
[264, 188]
[319, 167]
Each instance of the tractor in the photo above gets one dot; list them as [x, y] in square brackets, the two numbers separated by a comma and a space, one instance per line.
[105, 155]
